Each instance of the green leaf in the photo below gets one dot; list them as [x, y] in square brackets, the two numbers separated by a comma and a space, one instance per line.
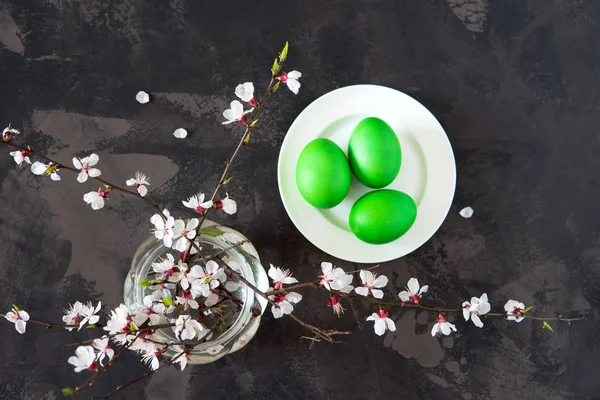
[168, 301]
[254, 122]
[275, 67]
[211, 231]
[144, 283]
[275, 87]
[283, 54]
[226, 181]
[16, 307]
[547, 326]
[66, 391]
[247, 139]
[527, 309]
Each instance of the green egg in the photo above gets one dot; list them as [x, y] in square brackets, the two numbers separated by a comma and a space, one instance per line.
[382, 216]
[322, 174]
[374, 153]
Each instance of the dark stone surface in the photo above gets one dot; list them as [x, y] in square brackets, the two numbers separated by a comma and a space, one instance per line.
[515, 83]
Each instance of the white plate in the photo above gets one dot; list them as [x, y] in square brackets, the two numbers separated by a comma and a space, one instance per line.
[427, 174]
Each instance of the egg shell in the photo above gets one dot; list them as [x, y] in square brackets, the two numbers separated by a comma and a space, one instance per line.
[382, 216]
[374, 153]
[323, 175]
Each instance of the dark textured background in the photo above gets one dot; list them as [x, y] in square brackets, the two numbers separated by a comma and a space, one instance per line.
[514, 83]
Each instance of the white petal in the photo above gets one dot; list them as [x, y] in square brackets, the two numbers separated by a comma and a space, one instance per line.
[24, 315]
[289, 280]
[466, 212]
[237, 109]
[38, 168]
[435, 329]
[180, 133]
[390, 324]
[326, 267]
[142, 190]
[232, 286]
[483, 298]
[365, 276]
[142, 97]
[211, 300]
[404, 296]
[293, 84]
[477, 321]
[373, 317]
[293, 297]
[445, 328]
[77, 163]
[98, 203]
[378, 294]
[413, 285]
[424, 289]
[93, 160]
[466, 314]
[82, 177]
[484, 308]
[94, 172]
[363, 291]
[54, 176]
[286, 307]
[294, 74]
[277, 313]
[20, 326]
[380, 281]
[90, 197]
[379, 327]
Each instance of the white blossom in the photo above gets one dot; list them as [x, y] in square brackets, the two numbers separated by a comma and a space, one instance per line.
[19, 318]
[197, 203]
[180, 133]
[51, 169]
[140, 181]
[281, 277]
[203, 280]
[291, 80]
[74, 315]
[475, 308]
[186, 300]
[84, 358]
[8, 132]
[371, 284]
[335, 278]
[228, 205]
[442, 326]
[96, 199]
[335, 303]
[236, 113]
[151, 358]
[142, 97]
[85, 166]
[187, 328]
[183, 232]
[163, 227]
[102, 349]
[19, 156]
[120, 321]
[181, 357]
[515, 310]
[466, 212]
[88, 314]
[284, 303]
[382, 322]
[413, 291]
[245, 91]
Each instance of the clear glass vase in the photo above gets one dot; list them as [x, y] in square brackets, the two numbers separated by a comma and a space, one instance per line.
[242, 323]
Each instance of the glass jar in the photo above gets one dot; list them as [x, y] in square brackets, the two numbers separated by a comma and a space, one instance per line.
[243, 323]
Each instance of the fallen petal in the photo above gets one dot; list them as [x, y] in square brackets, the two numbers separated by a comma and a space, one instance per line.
[180, 133]
[142, 97]
[466, 212]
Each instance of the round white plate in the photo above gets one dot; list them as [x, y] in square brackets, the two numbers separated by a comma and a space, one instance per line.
[427, 174]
